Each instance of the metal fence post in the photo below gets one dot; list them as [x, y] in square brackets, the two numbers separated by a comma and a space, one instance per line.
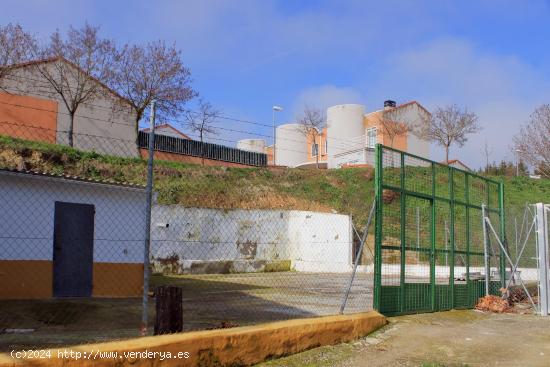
[542, 243]
[378, 174]
[503, 238]
[485, 250]
[147, 244]
[403, 239]
[358, 258]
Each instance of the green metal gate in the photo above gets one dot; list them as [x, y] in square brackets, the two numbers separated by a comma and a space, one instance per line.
[429, 245]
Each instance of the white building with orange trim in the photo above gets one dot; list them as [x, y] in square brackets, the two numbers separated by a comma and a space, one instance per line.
[70, 237]
[350, 136]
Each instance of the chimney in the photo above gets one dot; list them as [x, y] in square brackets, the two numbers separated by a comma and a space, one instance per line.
[389, 104]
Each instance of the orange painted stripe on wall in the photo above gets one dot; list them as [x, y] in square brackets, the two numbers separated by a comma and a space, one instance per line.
[31, 279]
[28, 117]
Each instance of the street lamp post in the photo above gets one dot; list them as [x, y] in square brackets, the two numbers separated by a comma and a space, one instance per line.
[275, 109]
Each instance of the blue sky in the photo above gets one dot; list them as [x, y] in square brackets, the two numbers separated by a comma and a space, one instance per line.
[246, 55]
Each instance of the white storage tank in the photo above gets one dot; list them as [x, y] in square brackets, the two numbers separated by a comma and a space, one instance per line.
[344, 128]
[252, 145]
[290, 145]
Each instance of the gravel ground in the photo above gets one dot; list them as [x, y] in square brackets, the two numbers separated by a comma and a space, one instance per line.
[453, 338]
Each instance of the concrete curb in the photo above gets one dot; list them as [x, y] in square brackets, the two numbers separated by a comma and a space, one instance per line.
[241, 346]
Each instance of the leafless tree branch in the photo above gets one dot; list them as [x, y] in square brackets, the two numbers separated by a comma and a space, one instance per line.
[154, 71]
[449, 125]
[82, 59]
[312, 121]
[16, 47]
[202, 121]
[533, 140]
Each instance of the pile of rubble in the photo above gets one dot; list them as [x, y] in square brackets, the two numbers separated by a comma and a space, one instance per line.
[493, 304]
[515, 300]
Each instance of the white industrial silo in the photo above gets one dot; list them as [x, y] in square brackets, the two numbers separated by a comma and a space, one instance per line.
[290, 145]
[345, 130]
[252, 145]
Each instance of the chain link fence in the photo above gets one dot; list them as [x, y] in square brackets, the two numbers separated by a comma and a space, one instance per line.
[73, 237]
[527, 259]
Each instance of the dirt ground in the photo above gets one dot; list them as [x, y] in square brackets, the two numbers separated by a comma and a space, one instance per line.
[453, 338]
[208, 301]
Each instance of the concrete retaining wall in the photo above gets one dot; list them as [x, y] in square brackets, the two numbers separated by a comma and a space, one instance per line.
[198, 240]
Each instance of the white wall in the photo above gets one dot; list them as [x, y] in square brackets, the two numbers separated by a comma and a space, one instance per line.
[415, 116]
[345, 129]
[27, 217]
[311, 241]
[290, 145]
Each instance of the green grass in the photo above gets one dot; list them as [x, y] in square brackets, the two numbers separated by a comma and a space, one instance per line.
[346, 191]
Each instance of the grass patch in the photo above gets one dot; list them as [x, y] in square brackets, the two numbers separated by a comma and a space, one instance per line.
[346, 191]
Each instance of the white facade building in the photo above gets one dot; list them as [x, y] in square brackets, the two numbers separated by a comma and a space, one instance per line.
[69, 237]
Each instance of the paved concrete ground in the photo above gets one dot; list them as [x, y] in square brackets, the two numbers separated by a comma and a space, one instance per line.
[454, 338]
[209, 301]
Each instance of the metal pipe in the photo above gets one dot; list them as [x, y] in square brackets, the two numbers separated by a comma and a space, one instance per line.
[417, 227]
[542, 242]
[147, 245]
[446, 246]
[357, 259]
[485, 250]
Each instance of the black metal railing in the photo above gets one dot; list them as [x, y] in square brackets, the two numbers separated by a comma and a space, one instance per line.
[196, 148]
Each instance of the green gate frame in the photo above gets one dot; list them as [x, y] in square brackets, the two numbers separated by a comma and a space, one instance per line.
[428, 296]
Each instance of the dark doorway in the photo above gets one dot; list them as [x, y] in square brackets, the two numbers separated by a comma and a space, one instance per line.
[73, 249]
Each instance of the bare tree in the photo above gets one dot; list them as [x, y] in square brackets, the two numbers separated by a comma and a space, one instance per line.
[202, 121]
[533, 140]
[16, 47]
[311, 123]
[391, 126]
[153, 72]
[79, 61]
[487, 151]
[449, 125]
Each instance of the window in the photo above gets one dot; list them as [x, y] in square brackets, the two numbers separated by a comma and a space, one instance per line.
[326, 146]
[314, 149]
[371, 137]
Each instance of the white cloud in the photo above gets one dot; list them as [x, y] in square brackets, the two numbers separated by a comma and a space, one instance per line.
[325, 96]
[502, 89]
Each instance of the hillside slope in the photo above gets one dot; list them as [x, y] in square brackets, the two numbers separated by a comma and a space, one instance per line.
[348, 191]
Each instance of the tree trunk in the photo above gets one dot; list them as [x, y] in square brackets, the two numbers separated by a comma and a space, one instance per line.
[446, 154]
[138, 149]
[202, 150]
[318, 152]
[71, 128]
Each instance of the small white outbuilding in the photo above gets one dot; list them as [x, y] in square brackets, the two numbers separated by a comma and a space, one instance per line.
[64, 236]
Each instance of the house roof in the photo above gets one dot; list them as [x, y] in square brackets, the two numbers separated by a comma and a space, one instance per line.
[168, 126]
[403, 105]
[71, 178]
[60, 58]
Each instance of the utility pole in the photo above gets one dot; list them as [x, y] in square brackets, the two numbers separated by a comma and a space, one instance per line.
[149, 201]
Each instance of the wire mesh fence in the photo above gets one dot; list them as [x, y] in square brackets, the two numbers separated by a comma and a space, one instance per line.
[73, 239]
[526, 259]
[429, 235]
